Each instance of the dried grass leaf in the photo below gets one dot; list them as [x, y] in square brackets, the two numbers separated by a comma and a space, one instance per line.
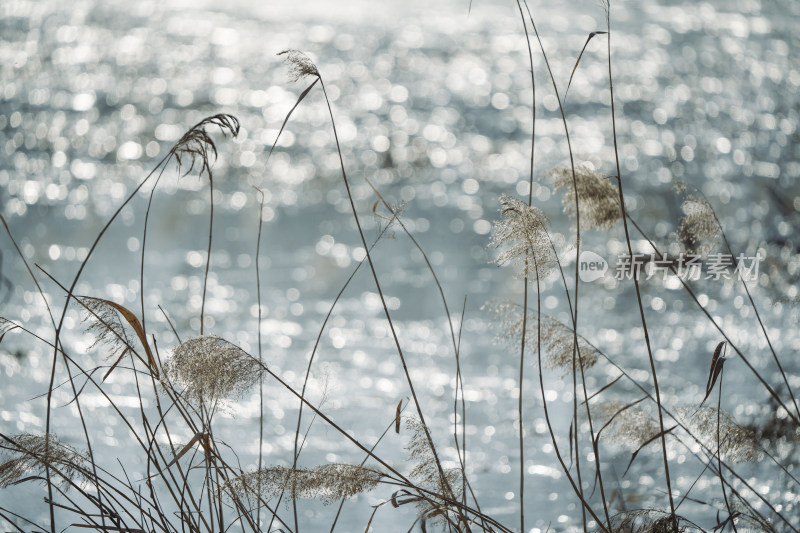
[107, 327]
[106, 324]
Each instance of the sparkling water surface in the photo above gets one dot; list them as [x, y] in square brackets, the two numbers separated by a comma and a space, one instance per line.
[433, 106]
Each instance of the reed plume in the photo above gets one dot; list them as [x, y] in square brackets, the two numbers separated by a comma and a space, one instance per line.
[426, 473]
[699, 228]
[300, 66]
[107, 327]
[557, 337]
[737, 443]
[327, 483]
[197, 144]
[629, 424]
[646, 521]
[210, 368]
[558, 342]
[598, 198]
[522, 232]
[32, 455]
[747, 517]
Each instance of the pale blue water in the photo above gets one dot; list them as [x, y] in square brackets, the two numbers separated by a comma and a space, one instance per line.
[433, 106]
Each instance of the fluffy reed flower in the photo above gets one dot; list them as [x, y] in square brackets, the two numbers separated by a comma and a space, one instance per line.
[736, 443]
[698, 223]
[557, 338]
[748, 519]
[210, 368]
[506, 320]
[699, 228]
[646, 521]
[107, 327]
[558, 341]
[299, 65]
[598, 198]
[28, 455]
[522, 231]
[385, 222]
[629, 425]
[426, 474]
[327, 483]
[197, 144]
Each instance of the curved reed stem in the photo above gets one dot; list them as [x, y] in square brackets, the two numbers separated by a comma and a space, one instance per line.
[651, 359]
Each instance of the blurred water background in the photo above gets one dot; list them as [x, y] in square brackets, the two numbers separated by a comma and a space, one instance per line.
[433, 105]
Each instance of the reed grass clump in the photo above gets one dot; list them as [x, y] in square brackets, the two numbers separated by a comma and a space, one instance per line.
[646, 521]
[189, 475]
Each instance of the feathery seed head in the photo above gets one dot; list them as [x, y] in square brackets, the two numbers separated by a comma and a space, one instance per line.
[748, 518]
[598, 198]
[299, 65]
[647, 521]
[327, 483]
[698, 228]
[736, 443]
[629, 424]
[522, 231]
[506, 320]
[28, 454]
[557, 338]
[197, 144]
[426, 473]
[107, 327]
[210, 368]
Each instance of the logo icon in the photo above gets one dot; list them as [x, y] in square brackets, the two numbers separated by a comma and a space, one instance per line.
[591, 266]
